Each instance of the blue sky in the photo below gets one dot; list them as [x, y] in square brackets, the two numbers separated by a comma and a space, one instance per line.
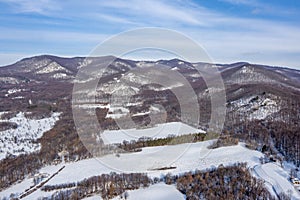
[266, 32]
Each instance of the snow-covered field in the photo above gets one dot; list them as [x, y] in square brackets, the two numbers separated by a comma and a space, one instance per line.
[23, 138]
[158, 131]
[96, 197]
[185, 157]
[158, 191]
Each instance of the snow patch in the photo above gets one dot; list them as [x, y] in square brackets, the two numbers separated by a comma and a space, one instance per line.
[52, 67]
[23, 139]
[114, 112]
[60, 76]
[256, 107]
[159, 131]
[160, 191]
[13, 91]
[9, 80]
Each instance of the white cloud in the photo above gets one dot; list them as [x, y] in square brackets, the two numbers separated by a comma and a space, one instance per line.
[262, 7]
[155, 10]
[32, 6]
[225, 36]
[50, 36]
[245, 2]
[112, 18]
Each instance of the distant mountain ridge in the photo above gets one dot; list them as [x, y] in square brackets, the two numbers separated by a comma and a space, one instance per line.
[54, 67]
[51, 78]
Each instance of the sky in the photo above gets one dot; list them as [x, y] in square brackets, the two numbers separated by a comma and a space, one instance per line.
[256, 31]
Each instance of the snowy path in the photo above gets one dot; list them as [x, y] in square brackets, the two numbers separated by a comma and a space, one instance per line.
[278, 178]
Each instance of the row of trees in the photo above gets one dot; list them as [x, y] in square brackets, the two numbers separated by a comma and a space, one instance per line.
[223, 141]
[171, 140]
[108, 185]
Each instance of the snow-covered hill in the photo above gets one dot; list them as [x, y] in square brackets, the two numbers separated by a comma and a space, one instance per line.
[256, 107]
[23, 138]
[184, 158]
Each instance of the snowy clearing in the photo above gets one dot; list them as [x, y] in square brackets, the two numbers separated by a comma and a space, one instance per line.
[94, 198]
[158, 191]
[22, 139]
[158, 131]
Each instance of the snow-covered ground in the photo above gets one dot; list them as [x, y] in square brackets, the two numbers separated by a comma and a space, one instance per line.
[278, 178]
[114, 112]
[180, 158]
[13, 91]
[158, 131]
[185, 157]
[117, 112]
[288, 166]
[23, 138]
[10, 80]
[96, 197]
[256, 107]
[51, 67]
[158, 191]
[170, 87]
[249, 74]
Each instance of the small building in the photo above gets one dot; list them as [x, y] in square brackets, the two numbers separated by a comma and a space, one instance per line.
[296, 183]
